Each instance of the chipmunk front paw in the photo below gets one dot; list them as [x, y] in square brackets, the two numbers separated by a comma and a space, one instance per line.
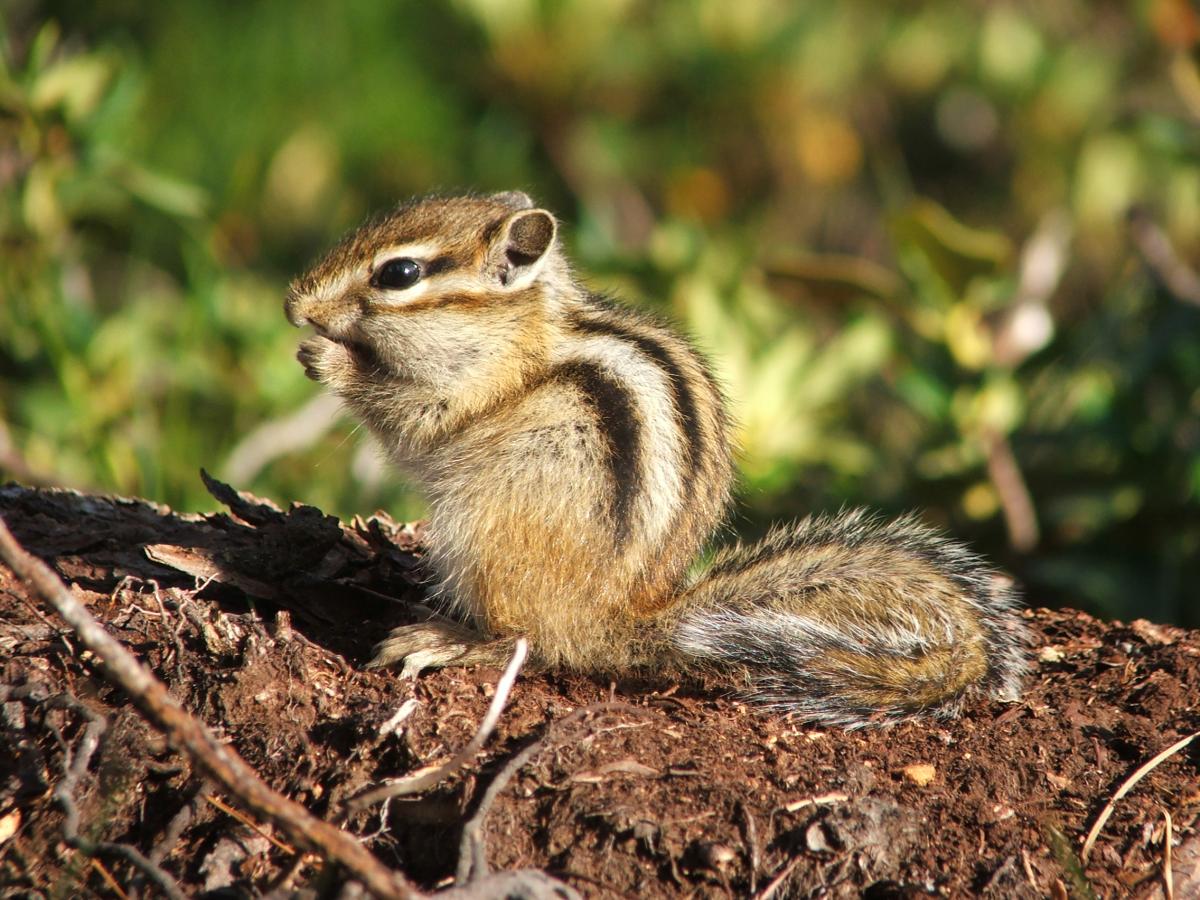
[315, 355]
[319, 356]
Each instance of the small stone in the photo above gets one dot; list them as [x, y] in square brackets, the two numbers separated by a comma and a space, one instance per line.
[717, 856]
[817, 839]
[920, 774]
[1051, 654]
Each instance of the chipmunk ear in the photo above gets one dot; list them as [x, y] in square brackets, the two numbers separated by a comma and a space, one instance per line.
[521, 247]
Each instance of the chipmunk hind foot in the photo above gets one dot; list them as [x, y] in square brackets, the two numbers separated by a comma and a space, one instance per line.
[436, 644]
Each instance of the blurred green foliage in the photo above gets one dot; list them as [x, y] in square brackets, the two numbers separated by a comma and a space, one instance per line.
[901, 231]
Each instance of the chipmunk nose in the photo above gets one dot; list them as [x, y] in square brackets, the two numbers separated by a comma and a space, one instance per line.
[295, 308]
[329, 316]
[303, 308]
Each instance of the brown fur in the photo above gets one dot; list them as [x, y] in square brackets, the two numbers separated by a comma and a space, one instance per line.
[576, 458]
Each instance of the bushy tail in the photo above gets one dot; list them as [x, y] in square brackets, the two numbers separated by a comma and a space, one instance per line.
[851, 620]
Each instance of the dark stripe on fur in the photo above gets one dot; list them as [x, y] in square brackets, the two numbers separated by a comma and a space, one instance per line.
[686, 415]
[439, 264]
[618, 423]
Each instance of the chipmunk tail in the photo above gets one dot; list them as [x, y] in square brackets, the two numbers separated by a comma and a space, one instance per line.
[851, 620]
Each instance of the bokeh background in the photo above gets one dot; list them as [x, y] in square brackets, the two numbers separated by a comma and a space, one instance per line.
[943, 254]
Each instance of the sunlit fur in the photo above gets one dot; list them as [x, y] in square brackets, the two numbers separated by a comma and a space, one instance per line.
[576, 459]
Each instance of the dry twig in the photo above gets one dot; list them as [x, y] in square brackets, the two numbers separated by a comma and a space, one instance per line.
[753, 854]
[189, 734]
[297, 430]
[769, 891]
[112, 883]
[472, 850]
[1027, 325]
[1128, 785]
[1168, 876]
[1020, 517]
[73, 769]
[218, 803]
[178, 824]
[1161, 257]
[425, 780]
[279, 888]
[1028, 867]
[822, 800]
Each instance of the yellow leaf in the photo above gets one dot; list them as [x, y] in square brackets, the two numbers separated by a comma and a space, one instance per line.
[76, 85]
[967, 337]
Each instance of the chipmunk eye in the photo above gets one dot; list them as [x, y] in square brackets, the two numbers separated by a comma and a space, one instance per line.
[398, 273]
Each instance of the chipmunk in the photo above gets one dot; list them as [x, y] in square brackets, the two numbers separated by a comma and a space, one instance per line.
[576, 458]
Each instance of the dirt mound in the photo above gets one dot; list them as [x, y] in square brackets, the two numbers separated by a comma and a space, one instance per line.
[259, 622]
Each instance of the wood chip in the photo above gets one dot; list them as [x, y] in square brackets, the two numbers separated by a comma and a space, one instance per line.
[9, 825]
[1151, 633]
[822, 800]
[206, 566]
[621, 767]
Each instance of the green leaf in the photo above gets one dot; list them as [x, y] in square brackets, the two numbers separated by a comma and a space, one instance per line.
[957, 252]
[170, 195]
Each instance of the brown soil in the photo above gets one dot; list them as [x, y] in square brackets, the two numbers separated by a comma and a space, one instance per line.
[259, 623]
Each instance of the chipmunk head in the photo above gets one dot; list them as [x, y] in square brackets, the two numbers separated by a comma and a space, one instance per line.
[436, 286]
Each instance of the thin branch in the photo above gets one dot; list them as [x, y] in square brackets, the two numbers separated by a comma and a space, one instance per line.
[74, 768]
[189, 734]
[769, 891]
[753, 854]
[278, 889]
[472, 849]
[109, 880]
[1027, 325]
[1168, 836]
[1125, 788]
[1161, 258]
[422, 782]
[178, 824]
[822, 800]
[218, 803]
[1020, 517]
